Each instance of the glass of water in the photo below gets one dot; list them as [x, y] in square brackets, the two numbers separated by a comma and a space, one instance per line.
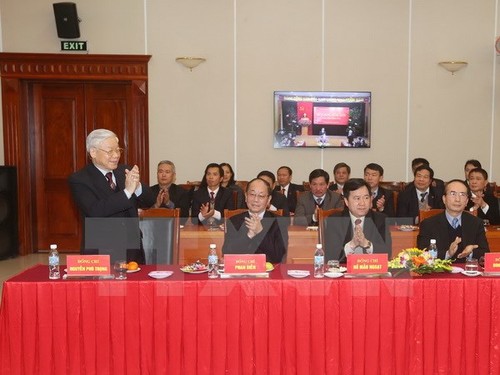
[121, 269]
[471, 266]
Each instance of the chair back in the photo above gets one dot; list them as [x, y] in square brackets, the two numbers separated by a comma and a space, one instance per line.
[242, 184]
[322, 215]
[424, 214]
[160, 234]
[393, 185]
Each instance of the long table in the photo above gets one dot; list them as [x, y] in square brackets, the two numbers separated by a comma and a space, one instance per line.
[187, 324]
[195, 239]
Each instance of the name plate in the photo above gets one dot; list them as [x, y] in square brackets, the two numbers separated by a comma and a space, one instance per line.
[244, 263]
[367, 263]
[492, 262]
[88, 265]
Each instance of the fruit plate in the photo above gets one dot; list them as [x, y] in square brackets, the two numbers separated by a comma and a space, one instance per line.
[333, 275]
[337, 270]
[189, 269]
[456, 269]
[134, 271]
[298, 273]
[160, 274]
[407, 228]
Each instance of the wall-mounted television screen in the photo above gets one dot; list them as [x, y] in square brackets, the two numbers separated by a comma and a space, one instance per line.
[322, 119]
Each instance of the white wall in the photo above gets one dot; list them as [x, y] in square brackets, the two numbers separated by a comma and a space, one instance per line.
[223, 109]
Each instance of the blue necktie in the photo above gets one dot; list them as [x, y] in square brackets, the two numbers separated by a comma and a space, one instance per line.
[454, 223]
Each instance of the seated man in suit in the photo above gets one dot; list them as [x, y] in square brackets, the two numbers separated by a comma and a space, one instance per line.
[167, 193]
[287, 188]
[382, 199]
[210, 200]
[278, 200]
[257, 231]
[319, 197]
[419, 195]
[341, 173]
[482, 199]
[458, 234]
[417, 162]
[358, 229]
[104, 188]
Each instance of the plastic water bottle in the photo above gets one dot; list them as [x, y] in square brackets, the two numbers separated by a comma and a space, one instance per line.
[213, 262]
[433, 252]
[319, 261]
[54, 273]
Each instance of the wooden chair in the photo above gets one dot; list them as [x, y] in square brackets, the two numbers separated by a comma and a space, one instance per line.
[397, 186]
[424, 214]
[322, 215]
[160, 229]
[242, 184]
[307, 185]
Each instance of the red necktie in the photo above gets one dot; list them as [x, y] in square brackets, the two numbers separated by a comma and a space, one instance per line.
[357, 222]
[109, 177]
[283, 191]
[212, 196]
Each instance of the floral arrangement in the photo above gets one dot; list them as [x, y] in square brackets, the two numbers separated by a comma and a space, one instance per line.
[419, 261]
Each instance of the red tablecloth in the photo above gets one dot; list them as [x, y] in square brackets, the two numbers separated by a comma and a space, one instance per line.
[188, 324]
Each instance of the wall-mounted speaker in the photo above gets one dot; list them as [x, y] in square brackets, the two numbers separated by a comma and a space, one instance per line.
[67, 21]
[9, 238]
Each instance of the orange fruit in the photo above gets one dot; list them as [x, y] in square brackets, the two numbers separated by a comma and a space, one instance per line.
[132, 266]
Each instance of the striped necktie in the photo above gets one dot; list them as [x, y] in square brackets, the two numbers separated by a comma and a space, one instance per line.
[109, 177]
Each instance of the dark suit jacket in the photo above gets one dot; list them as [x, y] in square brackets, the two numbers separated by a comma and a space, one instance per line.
[438, 228]
[389, 201]
[339, 231]
[493, 214]
[333, 187]
[292, 195]
[408, 201]
[306, 206]
[223, 200]
[179, 196]
[272, 241]
[94, 197]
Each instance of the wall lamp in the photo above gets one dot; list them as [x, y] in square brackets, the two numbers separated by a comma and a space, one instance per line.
[453, 66]
[190, 62]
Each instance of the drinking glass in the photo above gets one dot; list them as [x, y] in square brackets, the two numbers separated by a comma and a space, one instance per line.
[471, 266]
[221, 264]
[333, 266]
[121, 269]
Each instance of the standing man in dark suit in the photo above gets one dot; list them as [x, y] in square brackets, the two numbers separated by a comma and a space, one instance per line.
[358, 229]
[458, 234]
[382, 199]
[419, 195]
[211, 198]
[257, 231]
[319, 197]
[287, 188]
[104, 188]
[167, 193]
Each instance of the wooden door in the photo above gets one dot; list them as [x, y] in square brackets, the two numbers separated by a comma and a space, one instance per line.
[63, 114]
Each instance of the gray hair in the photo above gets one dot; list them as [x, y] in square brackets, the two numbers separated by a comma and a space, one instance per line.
[168, 162]
[96, 136]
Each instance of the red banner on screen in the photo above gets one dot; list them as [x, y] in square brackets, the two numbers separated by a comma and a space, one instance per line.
[331, 115]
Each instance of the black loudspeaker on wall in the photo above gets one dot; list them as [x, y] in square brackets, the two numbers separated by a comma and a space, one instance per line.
[9, 238]
[66, 20]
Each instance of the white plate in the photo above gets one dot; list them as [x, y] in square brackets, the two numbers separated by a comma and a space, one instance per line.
[315, 228]
[337, 270]
[471, 274]
[333, 275]
[298, 273]
[134, 271]
[407, 228]
[160, 274]
[456, 270]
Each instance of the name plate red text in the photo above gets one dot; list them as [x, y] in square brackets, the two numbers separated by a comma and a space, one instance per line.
[88, 265]
[244, 263]
[367, 263]
[492, 262]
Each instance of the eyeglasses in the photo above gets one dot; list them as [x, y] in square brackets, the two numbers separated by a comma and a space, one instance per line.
[257, 196]
[459, 194]
[117, 151]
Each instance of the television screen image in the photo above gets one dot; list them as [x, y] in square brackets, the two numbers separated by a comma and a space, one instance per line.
[322, 119]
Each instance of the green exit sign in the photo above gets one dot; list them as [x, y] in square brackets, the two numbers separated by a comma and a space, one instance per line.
[67, 45]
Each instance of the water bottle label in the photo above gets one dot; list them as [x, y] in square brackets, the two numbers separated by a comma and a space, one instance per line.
[212, 259]
[319, 260]
[54, 260]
